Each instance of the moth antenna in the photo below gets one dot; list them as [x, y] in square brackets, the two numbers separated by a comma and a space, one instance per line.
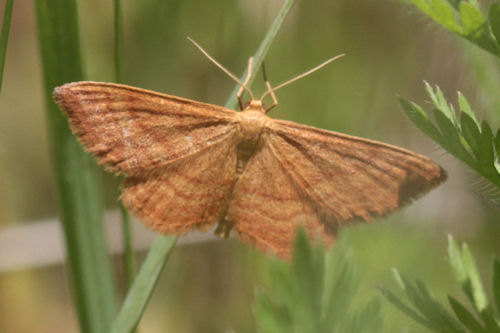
[240, 91]
[269, 91]
[222, 67]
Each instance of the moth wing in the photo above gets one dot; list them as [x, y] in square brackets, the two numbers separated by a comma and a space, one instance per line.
[131, 130]
[349, 178]
[266, 205]
[185, 194]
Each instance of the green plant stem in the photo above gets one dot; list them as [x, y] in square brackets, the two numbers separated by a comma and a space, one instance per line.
[128, 251]
[9, 5]
[262, 50]
[75, 172]
[118, 41]
[142, 289]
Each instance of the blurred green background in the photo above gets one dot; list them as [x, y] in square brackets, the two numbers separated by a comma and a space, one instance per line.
[208, 287]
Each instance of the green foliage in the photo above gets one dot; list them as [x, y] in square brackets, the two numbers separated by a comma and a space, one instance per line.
[464, 137]
[465, 18]
[143, 286]
[313, 295]
[478, 317]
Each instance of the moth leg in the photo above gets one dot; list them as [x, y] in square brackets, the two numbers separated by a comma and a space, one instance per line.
[223, 228]
[268, 85]
[241, 91]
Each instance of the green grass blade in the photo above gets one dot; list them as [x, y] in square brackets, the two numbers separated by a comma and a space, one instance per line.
[128, 252]
[118, 40]
[480, 301]
[465, 317]
[9, 5]
[456, 262]
[129, 263]
[145, 282]
[262, 50]
[75, 172]
[394, 300]
[420, 119]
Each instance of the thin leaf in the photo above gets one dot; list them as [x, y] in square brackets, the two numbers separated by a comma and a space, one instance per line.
[335, 307]
[4, 37]
[487, 155]
[128, 252]
[262, 50]
[496, 283]
[465, 108]
[494, 18]
[492, 325]
[404, 308]
[471, 133]
[420, 119]
[472, 18]
[441, 103]
[480, 300]
[441, 11]
[118, 36]
[434, 316]
[497, 143]
[305, 277]
[451, 139]
[144, 284]
[441, 320]
[465, 317]
[456, 262]
[272, 317]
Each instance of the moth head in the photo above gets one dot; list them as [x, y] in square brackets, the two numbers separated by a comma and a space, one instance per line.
[254, 105]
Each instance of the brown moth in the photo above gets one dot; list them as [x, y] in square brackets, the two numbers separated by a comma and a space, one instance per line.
[191, 165]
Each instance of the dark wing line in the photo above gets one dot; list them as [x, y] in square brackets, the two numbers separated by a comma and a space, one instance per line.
[271, 226]
[407, 170]
[131, 129]
[291, 124]
[186, 194]
[179, 157]
[306, 155]
[413, 157]
[151, 93]
[322, 214]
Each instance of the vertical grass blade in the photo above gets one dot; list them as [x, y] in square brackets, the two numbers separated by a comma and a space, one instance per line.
[9, 5]
[262, 50]
[75, 172]
[142, 289]
[118, 40]
[128, 252]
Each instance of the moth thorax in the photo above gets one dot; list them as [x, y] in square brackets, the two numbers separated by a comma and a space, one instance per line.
[252, 123]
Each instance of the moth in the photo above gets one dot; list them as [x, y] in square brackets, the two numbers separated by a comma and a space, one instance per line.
[192, 165]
